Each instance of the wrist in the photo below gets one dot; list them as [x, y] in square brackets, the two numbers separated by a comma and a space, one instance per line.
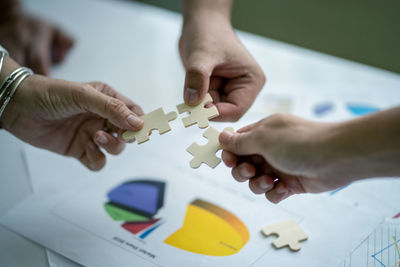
[206, 12]
[13, 108]
[339, 153]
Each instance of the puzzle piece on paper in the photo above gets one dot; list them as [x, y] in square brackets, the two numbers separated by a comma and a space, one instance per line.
[289, 234]
[155, 120]
[206, 153]
[198, 114]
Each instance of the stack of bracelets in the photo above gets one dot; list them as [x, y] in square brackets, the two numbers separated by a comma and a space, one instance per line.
[10, 84]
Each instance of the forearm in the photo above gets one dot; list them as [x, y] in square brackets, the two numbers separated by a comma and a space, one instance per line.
[366, 147]
[9, 10]
[199, 10]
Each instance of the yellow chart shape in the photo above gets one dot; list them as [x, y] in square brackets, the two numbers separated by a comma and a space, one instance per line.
[209, 230]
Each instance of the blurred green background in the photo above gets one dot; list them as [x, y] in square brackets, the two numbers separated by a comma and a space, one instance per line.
[366, 31]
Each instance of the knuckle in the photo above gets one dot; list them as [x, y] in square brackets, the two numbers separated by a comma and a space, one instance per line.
[237, 115]
[197, 70]
[278, 120]
[114, 105]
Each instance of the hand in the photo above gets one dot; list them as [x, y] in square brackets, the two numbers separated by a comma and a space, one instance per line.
[34, 43]
[283, 155]
[216, 62]
[68, 118]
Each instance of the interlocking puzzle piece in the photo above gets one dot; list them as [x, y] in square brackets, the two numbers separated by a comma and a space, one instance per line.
[206, 153]
[198, 114]
[155, 120]
[288, 232]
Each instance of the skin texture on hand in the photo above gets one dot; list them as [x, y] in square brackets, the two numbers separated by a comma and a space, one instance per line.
[33, 42]
[283, 155]
[216, 61]
[70, 118]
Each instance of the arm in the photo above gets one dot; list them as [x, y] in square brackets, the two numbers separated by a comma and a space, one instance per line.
[371, 145]
[283, 155]
[216, 61]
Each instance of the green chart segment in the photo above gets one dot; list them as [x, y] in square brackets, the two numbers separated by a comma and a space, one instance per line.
[120, 214]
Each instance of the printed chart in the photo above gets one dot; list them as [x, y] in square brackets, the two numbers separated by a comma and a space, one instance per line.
[136, 202]
[353, 108]
[210, 230]
[381, 248]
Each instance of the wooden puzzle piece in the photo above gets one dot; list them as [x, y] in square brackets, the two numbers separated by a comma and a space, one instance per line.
[198, 114]
[206, 153]
[155, 120]
[288, 232]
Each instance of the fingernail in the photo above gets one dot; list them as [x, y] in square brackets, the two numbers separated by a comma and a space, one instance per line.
[281, 189]
[244, 173]
[192, 95]
[101, 139]
[263, 185]
[134, 121]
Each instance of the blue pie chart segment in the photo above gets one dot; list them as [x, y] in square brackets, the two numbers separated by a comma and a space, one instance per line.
[138, 196]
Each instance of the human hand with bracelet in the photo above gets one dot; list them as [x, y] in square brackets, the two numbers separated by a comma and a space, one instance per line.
[68, 118]
[215, 60]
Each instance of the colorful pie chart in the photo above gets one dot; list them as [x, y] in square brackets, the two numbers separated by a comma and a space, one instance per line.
[135, 203]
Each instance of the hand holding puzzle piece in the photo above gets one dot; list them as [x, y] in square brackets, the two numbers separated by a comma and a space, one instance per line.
[200, 115]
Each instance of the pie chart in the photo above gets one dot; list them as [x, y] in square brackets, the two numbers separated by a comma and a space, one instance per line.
[209, 230]
[135, 203]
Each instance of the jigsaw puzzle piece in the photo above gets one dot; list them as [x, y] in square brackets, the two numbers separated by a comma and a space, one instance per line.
[206, 153]
[288, 232]
[198, 114]
[155, 120]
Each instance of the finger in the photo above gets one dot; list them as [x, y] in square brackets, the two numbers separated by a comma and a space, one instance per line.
[247, 128]
[239, 94]
[108, 142]
[261, 184]
[61, 44]
[93, 158]
[228, 112]
[243, 172]
[108, 90]
[200, 66]
[239, 143]
[108, 107]
[229, 159]
[278, 193]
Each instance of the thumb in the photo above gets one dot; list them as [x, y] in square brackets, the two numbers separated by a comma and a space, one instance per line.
[109, 108]
[200, 66]
[239, 143]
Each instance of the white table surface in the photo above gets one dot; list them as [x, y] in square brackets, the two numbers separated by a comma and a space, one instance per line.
[133, 47]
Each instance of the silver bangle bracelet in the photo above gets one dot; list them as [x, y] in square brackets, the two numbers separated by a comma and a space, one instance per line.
[16, 78]
[4, 53]
[9, 80]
